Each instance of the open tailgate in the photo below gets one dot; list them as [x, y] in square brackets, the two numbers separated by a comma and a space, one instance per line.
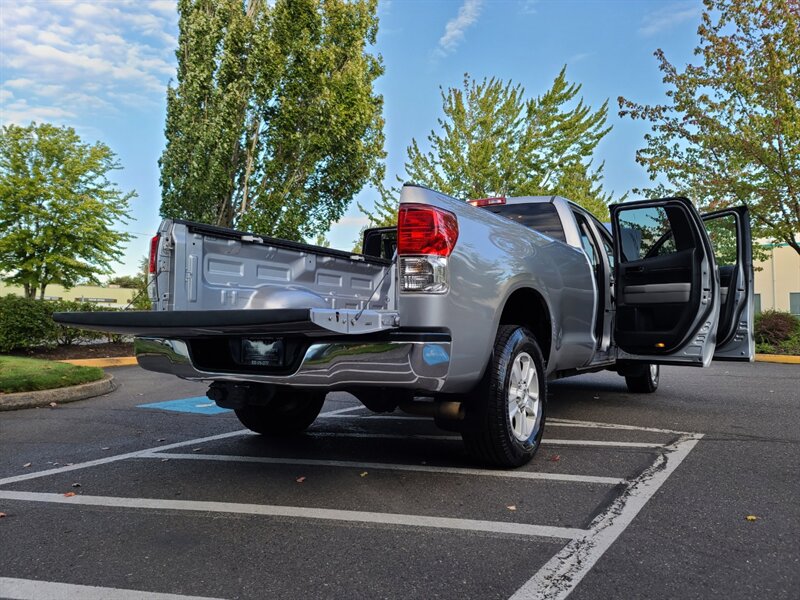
[202, 323]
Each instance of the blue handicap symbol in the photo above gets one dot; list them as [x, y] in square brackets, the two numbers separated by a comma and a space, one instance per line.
[199, 405]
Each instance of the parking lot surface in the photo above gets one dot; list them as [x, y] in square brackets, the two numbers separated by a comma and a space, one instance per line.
[154, 492]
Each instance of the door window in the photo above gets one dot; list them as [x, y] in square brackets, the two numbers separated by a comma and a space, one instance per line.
[722, 233]
[645, 232]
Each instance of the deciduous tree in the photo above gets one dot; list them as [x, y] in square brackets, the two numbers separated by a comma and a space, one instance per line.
[730, 130]
[58, 208]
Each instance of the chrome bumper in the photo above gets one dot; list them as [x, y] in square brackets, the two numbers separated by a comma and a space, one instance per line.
[417, 365]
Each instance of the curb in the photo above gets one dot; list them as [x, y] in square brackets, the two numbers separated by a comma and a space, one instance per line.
[103, 363]
[784, 359]
[58, 395]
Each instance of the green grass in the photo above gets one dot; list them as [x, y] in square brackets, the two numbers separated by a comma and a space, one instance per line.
[19, 374]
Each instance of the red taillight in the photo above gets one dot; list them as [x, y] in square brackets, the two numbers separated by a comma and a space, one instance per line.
[154, 252]
[488, 201]
[423, 229]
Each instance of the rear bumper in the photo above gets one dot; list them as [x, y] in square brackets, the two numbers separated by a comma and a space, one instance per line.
[418, 364]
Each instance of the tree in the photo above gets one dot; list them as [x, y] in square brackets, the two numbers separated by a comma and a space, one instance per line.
[493, 142]
[125, 281]
[273, 124]
[57, 208]
[730, 131]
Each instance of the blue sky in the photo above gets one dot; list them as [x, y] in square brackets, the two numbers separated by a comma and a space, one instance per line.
[103, 68]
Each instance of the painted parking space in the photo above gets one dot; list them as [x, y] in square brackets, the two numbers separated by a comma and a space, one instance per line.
[200, 405]
[344, 473]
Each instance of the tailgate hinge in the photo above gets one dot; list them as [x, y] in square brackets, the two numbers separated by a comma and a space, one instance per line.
[355, 321]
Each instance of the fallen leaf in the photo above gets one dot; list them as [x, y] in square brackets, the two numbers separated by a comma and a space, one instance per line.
[512, 507]
[751, 517]
[53, 405]
[76, 485]
[554, 458]
[196, 449]
[300, 479]
[596, 397]
[364, 474]
[105, 448]
[164, 459]
[70, 494]
[160, 439]
[27, 465]
[2, 515]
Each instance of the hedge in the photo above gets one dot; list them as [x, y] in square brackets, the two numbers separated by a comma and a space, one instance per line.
[777, 333]
[27, 323]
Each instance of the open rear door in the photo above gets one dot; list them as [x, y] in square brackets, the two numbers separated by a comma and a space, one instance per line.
[668, 297]
[729, 231]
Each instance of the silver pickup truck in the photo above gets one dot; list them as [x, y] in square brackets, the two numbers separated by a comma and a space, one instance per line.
[463, 312]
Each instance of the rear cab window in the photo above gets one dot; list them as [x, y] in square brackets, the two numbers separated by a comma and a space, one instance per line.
[539, 216]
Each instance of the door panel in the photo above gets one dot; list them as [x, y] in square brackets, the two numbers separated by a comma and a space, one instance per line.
[668, 292]
[729, 231]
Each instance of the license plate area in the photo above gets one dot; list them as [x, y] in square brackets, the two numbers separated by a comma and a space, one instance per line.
[262, 352]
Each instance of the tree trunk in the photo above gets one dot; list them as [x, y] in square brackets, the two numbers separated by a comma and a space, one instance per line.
[41, 292]
[30, 291]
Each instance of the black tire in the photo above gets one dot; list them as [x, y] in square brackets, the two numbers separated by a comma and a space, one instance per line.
[288, 413]
[496, 441]
[645, 382]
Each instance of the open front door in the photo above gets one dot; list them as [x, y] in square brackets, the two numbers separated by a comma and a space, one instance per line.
[668, 297]
[729, 230]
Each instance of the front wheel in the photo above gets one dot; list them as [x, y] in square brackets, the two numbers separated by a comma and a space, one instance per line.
[515, 396]
[288, 412]
[644, 382]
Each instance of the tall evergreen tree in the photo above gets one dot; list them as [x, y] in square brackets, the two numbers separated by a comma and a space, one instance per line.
[273, 125]
[493, 142]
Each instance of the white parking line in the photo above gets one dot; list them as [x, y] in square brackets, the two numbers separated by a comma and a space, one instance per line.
[562, 573]
[456, 438]
[32, 589]
[597, 425]
[333, 413]
[118, 457]
[390, 467]
[384, 436]
[135, 454]
[357, 516]
[610, 443]
[383, 417]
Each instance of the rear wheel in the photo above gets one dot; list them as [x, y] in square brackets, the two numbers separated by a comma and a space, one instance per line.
[514, 392]
[287, 413]
[644, 382]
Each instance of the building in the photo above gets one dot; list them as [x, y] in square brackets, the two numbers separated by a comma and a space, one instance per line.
[777, 283]
[111, 296]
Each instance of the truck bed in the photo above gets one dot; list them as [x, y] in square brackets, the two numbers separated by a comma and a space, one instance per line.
[203, 267]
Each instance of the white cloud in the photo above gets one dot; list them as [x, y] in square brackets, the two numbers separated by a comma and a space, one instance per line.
[19, 112]
[353, 221]
[101, 56]
[456, 27]
[576, 58]
[667, 17]
[528, 7]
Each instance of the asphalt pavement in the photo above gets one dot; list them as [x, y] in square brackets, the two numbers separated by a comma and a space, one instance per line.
[630, 496]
